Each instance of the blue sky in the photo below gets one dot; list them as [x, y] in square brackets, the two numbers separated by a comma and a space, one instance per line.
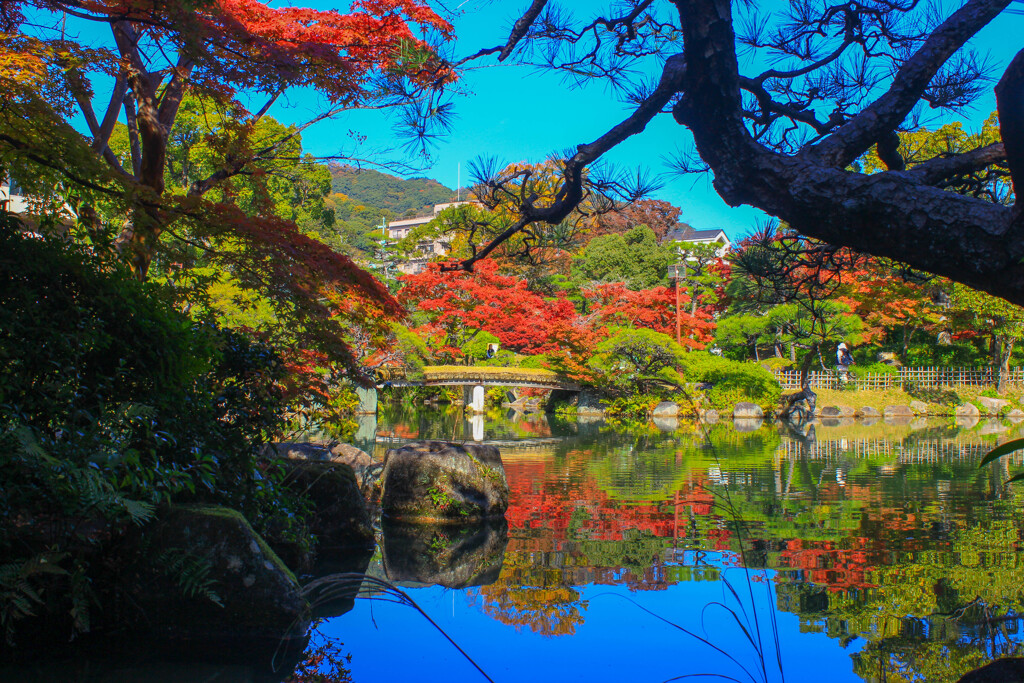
[519, 114]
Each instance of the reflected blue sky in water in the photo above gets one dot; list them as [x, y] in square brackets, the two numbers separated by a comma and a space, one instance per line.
[872, 536]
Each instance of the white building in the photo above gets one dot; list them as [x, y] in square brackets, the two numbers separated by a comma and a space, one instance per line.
[426, 250]
[716, 236]
[12, 200]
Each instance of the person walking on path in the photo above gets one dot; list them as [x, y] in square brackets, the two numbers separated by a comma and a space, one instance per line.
[843, 362]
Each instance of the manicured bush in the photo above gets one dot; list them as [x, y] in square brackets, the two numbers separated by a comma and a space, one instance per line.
[732, 381]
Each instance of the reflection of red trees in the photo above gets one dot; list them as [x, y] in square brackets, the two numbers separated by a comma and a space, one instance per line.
[545, 507]
[557, 508]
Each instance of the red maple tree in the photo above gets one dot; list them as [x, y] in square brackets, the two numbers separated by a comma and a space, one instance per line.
[461, 303]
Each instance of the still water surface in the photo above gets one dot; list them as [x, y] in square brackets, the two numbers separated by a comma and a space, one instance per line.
[850, 552]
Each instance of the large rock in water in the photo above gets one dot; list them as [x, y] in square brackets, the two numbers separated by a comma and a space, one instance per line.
[437, 481]
[199, 556]
[747, 411]
[340, 515]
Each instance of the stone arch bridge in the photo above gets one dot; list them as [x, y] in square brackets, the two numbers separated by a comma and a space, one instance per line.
[475, 379]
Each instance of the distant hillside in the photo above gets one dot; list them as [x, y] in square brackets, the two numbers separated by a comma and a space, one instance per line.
[415, 196]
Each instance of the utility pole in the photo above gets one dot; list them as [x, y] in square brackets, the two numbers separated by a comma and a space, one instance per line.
[677, 272]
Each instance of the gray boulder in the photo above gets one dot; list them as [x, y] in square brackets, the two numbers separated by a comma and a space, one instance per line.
[299, 450]
[350, 455]
[710, 416]
[437, 481]
[665, 409]
[837, 411]
[919, 407]
[589, 404]
[967, 410]
[242, 590]
[992, 406]
[1015, 415]
[869, 412]
[340, 516]
[745, 410]
[898, 411]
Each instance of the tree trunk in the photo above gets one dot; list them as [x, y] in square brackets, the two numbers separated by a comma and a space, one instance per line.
[901, 215]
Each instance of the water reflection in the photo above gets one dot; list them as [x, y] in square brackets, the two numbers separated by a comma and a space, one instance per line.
[880, 548]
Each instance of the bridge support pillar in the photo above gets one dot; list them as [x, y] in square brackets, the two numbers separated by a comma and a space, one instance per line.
[367, 400]
[473, 398]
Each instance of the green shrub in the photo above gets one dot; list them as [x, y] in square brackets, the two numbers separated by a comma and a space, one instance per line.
[875, 368]
[477, 347]
[733, 381]
[637, 361]
[112, 402]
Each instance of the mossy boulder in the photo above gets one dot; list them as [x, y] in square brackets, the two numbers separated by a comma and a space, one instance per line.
[442, 482]
[209, 578]
[340, 517]
[837, 411]
[747, 411]
[443, 555]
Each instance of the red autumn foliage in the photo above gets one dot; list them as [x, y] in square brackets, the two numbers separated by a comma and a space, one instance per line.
[461, 302]
[654, 309]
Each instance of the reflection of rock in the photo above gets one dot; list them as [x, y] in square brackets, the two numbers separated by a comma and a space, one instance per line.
[666, 424]
[1015, 415]
[744, 410]
[747, 424]
[445, 555]
[837, 422]
[589, 425]
[967, 422]
[329, 596]
[443, 482]
[665, 409]
[992, 427]
[899, 418]
[1005, 670]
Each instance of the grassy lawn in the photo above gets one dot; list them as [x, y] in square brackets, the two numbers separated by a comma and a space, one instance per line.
[881, 398]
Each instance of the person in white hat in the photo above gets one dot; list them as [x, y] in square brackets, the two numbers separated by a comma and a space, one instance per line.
[843, 361]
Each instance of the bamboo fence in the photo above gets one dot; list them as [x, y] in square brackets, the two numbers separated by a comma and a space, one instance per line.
[923, 377]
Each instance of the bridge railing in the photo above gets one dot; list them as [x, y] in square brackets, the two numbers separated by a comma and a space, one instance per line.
[484, 374]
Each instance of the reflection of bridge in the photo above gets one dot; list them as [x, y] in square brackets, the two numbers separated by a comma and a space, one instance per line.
[476, 379]
[506, 446]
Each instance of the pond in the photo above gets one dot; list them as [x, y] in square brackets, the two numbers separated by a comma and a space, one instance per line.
[845, 551]
[842, 552]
